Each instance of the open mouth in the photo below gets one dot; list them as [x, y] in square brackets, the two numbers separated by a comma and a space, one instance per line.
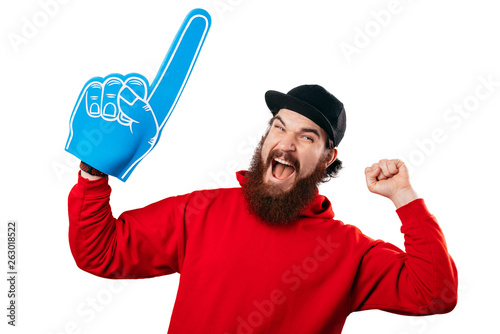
[282, 169]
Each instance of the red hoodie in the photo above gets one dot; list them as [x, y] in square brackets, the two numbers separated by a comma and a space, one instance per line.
[239, 275]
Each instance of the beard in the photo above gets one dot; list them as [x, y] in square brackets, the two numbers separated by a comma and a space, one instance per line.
[273, 205]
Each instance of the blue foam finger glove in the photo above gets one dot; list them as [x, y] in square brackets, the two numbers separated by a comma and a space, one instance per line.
[117, 120]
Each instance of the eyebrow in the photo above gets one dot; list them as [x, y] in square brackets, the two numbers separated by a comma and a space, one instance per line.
[279, 119]
[316, 132]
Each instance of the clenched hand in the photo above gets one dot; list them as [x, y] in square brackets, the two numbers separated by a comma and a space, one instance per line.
[389, 178]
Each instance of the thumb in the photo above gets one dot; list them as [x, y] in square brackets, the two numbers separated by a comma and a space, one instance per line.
[372, 171]
[133, 104]
[371, 176]
[133, 89]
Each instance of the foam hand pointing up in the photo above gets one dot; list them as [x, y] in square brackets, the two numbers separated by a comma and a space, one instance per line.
[117, 120]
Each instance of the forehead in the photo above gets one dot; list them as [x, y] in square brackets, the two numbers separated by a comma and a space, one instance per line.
[297, 122]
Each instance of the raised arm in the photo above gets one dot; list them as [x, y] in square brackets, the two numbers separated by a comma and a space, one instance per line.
[423, 278]
[141, 243]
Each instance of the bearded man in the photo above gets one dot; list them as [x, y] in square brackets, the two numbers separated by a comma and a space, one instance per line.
[269, 257]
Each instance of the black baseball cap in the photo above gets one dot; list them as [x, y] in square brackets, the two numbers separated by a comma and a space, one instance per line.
[315, 103]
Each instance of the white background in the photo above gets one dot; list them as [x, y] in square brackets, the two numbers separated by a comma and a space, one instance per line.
[409, 69]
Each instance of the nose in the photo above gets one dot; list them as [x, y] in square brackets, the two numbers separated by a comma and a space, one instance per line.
[287, 143]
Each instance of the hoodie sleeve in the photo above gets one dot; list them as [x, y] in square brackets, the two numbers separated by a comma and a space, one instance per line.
[422, 280]
[141, 243]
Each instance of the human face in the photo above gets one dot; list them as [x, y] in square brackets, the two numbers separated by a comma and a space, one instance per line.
[295, 145]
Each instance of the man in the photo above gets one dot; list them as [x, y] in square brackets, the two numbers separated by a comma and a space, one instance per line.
[268, 257]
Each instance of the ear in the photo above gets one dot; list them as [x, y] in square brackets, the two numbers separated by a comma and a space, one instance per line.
[331, 155]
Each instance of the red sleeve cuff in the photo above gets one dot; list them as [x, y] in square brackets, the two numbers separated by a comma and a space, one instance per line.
[416, 210]
[93, 188]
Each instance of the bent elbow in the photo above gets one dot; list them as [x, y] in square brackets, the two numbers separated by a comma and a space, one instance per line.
[440, 306]
[450, 306]
[449, 296]
[445, 300]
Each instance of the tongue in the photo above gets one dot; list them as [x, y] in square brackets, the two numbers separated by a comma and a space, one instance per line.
[282, 171]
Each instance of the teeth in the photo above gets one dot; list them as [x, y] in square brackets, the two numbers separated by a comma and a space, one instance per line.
[283, 162]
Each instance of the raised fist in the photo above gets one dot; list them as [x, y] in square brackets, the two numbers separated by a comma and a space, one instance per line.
[390, 179]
